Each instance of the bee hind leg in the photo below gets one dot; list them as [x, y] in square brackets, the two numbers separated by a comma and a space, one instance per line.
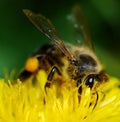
[51, 75]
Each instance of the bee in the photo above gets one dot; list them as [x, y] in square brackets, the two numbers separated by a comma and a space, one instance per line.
[75, 62]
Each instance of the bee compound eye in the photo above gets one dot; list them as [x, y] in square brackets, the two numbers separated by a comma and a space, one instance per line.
[89, 81]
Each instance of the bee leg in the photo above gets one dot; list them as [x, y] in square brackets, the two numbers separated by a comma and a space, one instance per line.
[51, 75]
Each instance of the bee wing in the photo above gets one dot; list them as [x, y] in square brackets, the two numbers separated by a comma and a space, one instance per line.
[45, 26]
[81, 27]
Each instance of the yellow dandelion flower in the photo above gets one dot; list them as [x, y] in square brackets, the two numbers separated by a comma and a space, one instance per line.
[27, 102]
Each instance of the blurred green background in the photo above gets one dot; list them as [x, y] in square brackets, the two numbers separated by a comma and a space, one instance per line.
[18, 37]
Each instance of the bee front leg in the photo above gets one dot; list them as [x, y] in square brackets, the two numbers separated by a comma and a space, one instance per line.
[51, 75]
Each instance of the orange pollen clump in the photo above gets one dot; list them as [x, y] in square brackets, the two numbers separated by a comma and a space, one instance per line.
[32, 64]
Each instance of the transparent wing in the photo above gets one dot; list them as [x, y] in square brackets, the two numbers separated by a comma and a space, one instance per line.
[81, 27]
[45, 26]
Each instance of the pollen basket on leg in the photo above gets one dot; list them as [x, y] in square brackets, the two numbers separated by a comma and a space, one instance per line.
[32, 64]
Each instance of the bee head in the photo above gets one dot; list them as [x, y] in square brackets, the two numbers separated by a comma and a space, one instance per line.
[90, 79]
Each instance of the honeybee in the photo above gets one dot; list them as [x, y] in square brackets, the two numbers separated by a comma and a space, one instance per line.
[76, 62]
